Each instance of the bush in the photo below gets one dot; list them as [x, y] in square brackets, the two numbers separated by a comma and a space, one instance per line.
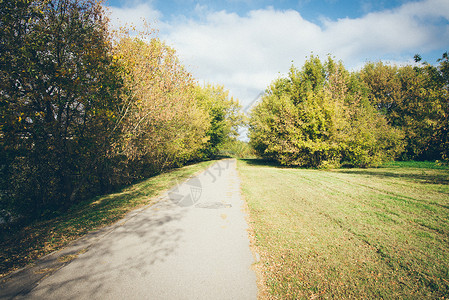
[321, 117]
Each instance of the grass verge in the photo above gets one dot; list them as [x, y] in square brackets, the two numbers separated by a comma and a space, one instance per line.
[34, 241]
[350, 233]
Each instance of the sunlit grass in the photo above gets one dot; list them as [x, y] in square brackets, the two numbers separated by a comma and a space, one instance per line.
[34, 241]
[351, 233]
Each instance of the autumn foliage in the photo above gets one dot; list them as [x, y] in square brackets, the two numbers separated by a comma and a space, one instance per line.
[320, 116]
[414, 99]
[85, 110]
[160, 121]
[58, 95]
[325, 116]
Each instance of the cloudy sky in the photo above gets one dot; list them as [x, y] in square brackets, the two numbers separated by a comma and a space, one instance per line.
[245, 44]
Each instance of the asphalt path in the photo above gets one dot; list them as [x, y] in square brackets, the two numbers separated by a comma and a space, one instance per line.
[192, 244]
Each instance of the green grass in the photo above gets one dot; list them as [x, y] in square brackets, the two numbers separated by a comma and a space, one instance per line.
[350, 233]
[32, 242]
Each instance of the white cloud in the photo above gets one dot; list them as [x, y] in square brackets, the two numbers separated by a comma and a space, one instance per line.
[429, 8]
[243, 53]
[246, 53]
[412, 27]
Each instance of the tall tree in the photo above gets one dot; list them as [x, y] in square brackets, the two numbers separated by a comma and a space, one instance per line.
[58, 89]
[224, 117]
[412, 98]
[441, 136]
[320, 117]
[160, 122]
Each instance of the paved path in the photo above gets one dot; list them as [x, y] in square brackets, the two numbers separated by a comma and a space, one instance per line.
[193, 244]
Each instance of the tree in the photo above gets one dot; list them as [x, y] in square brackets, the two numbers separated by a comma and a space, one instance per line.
[57, 99]
[441, 136]
[320, 117]
[412, 100]
[385, 88]
[160, 122]
[224, 117]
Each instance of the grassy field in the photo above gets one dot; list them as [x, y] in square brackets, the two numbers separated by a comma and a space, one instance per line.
[350, 233]
[22, 247]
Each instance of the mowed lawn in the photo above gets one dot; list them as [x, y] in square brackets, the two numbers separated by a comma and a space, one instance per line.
[350, 233]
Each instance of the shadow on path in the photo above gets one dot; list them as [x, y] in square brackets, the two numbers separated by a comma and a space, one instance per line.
[119, 252]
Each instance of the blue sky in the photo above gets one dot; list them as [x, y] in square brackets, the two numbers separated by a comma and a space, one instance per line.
[245, 44]
[310, 9]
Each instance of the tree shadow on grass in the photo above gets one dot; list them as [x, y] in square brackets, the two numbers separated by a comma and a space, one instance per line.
[423, 175]
[430, 177]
